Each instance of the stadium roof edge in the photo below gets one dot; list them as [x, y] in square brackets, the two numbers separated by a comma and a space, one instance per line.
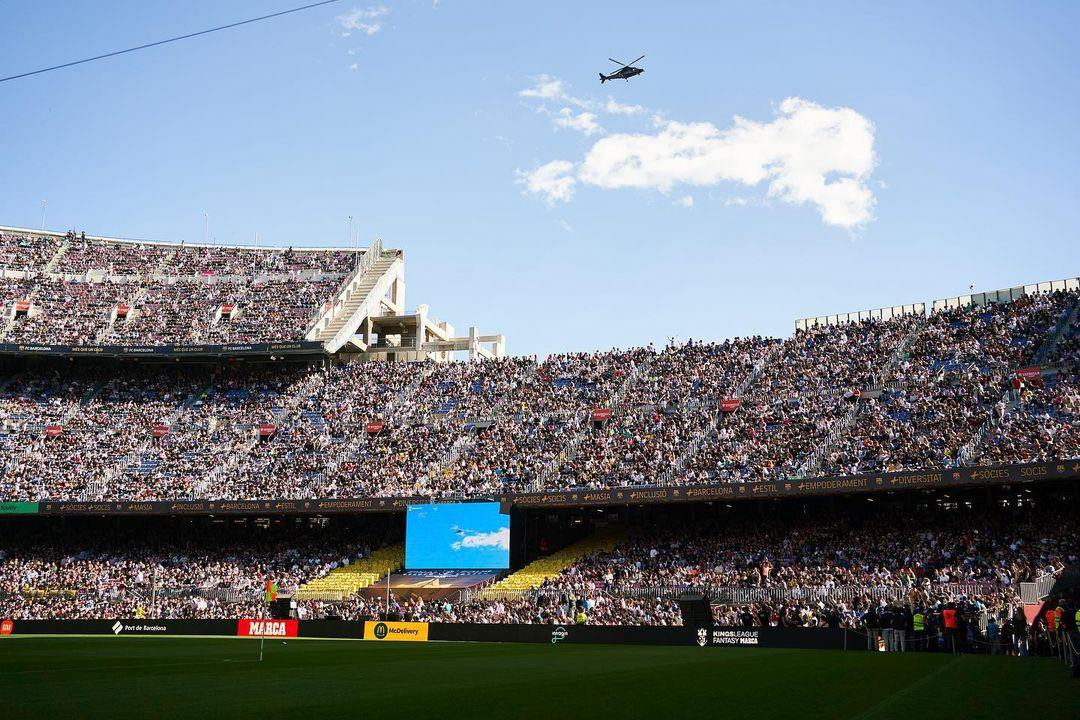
[170, 243]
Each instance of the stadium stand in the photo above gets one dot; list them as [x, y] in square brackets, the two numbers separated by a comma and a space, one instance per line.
[544, 569]
[344, 582]
[791, 568]
[74, 290]
[370, 410]
[958, 387]
[185, 571]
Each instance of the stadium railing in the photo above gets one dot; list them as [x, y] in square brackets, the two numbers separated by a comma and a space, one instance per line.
[886, 313]
[1004, 295]
[1033, 592]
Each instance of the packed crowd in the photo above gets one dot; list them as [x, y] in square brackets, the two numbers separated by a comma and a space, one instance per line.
[863, 570]
[675, 401]
[25, 252]
[949, 387]
[1040, 421]
[787, 414]
[867, 571]
[913, 392]
[168, 572]
[542, 609]
[904, 393]
[871, 549]
[75, 254]
[106, 292]
[165, 312]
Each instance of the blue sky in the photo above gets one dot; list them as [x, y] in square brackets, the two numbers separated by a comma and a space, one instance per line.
[457, 536]
[950, 128]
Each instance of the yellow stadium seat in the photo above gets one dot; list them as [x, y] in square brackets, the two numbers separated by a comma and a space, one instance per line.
[535, 573]
[342, 582]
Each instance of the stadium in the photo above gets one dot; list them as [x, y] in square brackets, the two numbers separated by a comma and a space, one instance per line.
[244, 480]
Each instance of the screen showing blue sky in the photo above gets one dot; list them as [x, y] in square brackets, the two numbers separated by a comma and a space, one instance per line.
[465, 536]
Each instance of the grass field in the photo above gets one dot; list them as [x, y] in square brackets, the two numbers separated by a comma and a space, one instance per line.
[196, 677]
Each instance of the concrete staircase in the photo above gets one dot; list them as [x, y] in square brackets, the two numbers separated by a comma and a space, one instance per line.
[358, 297]
[55, 260]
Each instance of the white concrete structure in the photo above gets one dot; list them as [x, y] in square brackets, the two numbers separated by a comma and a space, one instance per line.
[414, 337]
[366, 320]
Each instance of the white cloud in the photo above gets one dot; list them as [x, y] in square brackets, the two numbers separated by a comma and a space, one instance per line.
[617, 108]
[362, 20]
[808, 154]
[354, 66]
[554, 181]
[737, 201]
[498, 539]
[567, 227]
[583, 122]
[686, 201]
[548, 87]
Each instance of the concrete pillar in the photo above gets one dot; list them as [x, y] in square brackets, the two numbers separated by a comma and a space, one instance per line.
[421, 329]
[397, 293]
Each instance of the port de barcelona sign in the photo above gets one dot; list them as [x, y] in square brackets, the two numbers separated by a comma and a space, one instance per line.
[801, 487]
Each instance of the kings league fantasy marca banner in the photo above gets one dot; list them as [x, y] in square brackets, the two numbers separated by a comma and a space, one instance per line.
[164, 351]
[926, 479]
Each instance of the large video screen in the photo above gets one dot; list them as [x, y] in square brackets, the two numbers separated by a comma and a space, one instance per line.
[457, 536]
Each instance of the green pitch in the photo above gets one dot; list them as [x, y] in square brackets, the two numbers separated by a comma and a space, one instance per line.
[199, 678]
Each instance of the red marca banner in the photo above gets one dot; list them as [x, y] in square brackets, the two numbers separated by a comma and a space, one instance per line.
[267, 430]
[122, 310]
[161, 430]
[729, 404]
[22, 305]
[1029, 373]
[266, 628]
[53, 430]
[601, 414]
[6, 627]
[375, 426]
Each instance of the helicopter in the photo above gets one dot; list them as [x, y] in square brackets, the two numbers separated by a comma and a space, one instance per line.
[625, 72]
